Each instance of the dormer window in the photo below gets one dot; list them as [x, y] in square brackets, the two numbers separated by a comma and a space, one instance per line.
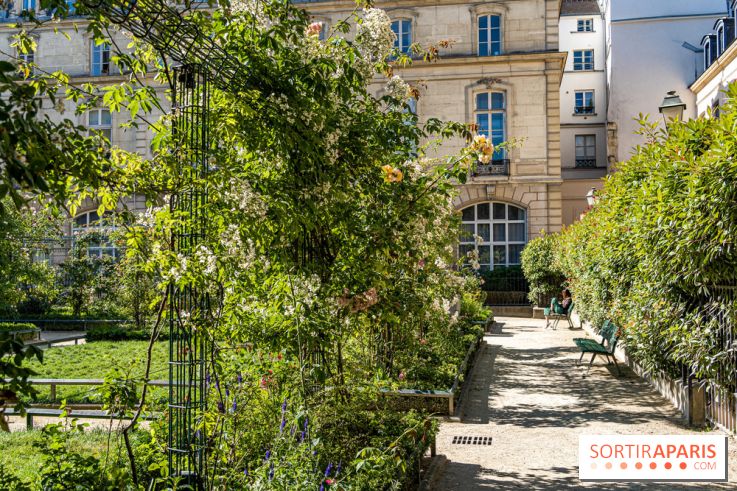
[709, 43]
[724, 28]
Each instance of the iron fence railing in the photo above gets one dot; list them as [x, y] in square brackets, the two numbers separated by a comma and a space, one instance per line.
[497, 167]
[586, 163]
[721, 385]
[506, 288]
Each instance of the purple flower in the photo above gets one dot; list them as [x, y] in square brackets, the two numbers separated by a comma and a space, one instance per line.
[271, 471]
[245, 472]
[197, 435]
[322, 486]
[235, 405]
[307, 420]
[221, 407]
[284, 406]
[227, 392]
[268, 455]
[283, 424]
[340, 466]
[207, 378]
[292, 430]
[301, 436]
[239, 378]
[314, 452]
[328, 469]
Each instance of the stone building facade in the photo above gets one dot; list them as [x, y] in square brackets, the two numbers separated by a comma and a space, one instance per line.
[502, 70]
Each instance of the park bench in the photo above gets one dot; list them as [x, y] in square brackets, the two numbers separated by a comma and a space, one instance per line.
[609, 336]
[549, 314]
[71, 413]
[50, 342]
[54, 382]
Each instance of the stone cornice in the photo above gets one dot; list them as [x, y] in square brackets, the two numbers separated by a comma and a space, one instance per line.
[721, 63]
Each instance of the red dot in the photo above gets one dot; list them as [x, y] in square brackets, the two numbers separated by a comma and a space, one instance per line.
[608, 465]
[623, 465]
[683, 465]
[638, 465]
[653, 465]
[668, 465]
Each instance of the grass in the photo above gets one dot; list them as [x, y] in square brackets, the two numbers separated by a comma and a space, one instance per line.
[96, 360]
[19, 454]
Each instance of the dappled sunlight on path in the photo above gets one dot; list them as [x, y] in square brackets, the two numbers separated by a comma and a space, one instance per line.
[528, 394]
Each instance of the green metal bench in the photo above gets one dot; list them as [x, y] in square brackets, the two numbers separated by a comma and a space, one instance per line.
[557, 317]
[609, 337]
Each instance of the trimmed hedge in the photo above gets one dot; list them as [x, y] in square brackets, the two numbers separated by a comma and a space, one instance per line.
[10, 328]
[121, 333]
[657, 251]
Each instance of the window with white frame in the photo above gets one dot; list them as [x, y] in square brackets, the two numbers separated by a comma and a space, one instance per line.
[585, 150]
[27, 58]
[402, 29]
[490, 35]
[583, 59]
[29, 5]
[585, 25]
[100, 59]
[90, 222]
[721, 41]
[584, 102]
[498, 231]
[100, 120]
[491, 113]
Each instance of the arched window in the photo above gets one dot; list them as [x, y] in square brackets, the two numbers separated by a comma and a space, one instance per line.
[90, 222]
[497, 230]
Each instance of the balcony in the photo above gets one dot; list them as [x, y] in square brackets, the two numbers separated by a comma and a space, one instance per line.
[583, 110]
[499, 167]
[585, 163]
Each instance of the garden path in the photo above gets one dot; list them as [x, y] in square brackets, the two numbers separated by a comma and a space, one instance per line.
[528, 395]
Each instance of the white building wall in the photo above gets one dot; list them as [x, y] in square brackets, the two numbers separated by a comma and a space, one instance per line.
[648, 59]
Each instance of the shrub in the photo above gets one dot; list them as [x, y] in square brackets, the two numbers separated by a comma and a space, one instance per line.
[541, 268]
[653, 250]
[12, 327]
[117, 333]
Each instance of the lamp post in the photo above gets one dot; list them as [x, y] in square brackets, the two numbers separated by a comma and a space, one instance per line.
[672, 107]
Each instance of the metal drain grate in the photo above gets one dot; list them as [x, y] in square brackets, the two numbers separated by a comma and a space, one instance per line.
[472, 440]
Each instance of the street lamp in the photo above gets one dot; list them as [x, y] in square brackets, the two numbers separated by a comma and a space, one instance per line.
[672, 107]
[591, 197]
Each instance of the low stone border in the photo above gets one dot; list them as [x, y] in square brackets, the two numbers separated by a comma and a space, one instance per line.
[442, 402]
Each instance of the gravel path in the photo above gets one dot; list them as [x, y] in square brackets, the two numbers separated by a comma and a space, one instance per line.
[528, 395]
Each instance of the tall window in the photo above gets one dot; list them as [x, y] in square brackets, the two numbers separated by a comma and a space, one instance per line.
[497, 230]
[583, 59]
[27, 59]
[721, 41]
[584, 102]
[100, 59]
[99, 120]
[70, 6]
[29, 5]
[585, 25]
[90, 222]
[491, 115]
[403, 30]
[585, 150]
[490, 35]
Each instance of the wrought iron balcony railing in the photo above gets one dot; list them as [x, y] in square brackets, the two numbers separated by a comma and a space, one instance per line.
[585, 163]
[583, 110]
[497, 167]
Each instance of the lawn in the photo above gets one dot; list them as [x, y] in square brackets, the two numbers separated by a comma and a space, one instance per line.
[96, 360]
[19, 454]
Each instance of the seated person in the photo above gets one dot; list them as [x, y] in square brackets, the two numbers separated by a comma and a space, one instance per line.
[561, 307]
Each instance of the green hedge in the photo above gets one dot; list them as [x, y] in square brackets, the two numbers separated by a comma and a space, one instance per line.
[121, 333]
[652, 252]
[8, 328]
